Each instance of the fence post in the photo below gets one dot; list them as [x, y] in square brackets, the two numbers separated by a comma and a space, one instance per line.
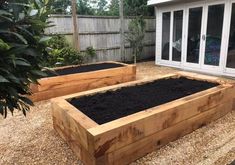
[75, 26]
[122, 31]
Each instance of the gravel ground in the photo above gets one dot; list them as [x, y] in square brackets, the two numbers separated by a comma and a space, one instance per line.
[32, 140]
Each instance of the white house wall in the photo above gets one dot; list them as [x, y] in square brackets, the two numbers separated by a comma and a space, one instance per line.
[184, 6]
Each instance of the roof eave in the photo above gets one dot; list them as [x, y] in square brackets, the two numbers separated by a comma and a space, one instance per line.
[158, 2]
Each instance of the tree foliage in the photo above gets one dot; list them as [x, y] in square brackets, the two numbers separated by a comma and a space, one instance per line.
[61, 6]
[102, 7]
[22, 23]
[114, 8]
[60, 53]
[131, 8]
[137, 8]
[84, 7]
[136, 35]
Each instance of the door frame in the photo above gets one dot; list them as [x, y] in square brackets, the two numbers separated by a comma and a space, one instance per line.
[172, 9]
[228, 71]
[212, 68]
[186, 25]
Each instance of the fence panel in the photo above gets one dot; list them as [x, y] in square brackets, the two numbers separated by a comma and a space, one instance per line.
[103, 34]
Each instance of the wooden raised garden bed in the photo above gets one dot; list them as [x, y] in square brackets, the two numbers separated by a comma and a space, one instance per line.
[75, 79]
[119, 124]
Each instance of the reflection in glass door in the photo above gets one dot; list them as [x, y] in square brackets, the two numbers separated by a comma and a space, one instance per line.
[166, 21]
[172, 34]
[231, 45]
[214, 31]
[177, 36]
[194, 35]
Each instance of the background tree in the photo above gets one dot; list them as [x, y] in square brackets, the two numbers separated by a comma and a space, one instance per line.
[102, 7]
[131, 8]
[22, 45]
[113, 8]
[84, 7]
[137, 8]
[135, 36]
[62, 6]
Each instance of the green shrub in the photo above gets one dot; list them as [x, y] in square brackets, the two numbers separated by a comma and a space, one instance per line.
[136, 35]
[58, 42]
[89, 53]
[60, 53]
[22, 45]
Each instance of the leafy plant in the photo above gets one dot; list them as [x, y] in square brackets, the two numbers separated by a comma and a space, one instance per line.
[89, 53]
[22, 45]
[131, 8]
[60, 53]
[135, 36]
[61, 6]
[84, 7]
[137, 8]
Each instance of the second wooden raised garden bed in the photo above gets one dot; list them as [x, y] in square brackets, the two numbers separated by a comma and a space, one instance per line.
[119, 124]
[75, 79]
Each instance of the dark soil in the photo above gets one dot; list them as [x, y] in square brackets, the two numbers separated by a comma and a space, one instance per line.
[83, 68]
[233, 163]
[111, 105]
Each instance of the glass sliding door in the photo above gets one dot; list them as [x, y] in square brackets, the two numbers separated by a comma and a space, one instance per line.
[194, 35]
[166, 22]
[172, 36]
[215, 19]
[177, 36]
[231, 45]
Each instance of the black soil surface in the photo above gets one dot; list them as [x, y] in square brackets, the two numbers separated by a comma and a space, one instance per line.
[233, 163]
[83, 68]
[111, 105]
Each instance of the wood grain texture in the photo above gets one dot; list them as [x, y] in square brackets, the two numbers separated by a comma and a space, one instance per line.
[129, 138]
[103, 33]
[110, 136]
[234, 104]
[150, 143]
[52, 87]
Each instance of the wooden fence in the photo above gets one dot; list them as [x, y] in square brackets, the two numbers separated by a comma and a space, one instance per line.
[103, 34]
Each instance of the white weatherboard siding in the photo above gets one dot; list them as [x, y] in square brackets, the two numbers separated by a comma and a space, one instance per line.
[164, 6]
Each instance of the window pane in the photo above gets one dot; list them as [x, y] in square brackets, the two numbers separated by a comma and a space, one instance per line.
[214, 34]
[194, 34]
[177, 35]
[231, 46]
[166, 19]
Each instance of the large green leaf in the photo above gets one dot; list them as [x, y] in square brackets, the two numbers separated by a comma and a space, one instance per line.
[26, 100]
[22, 62]
[4, 12]
[8, 19]
[3, 79]
[44, 39]
[20, 4]
[22, 48]
[20, 37]
[12, 78]
[17, 50]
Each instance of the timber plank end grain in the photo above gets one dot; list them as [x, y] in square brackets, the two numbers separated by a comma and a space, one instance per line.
[126, 139]
[51, 87]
